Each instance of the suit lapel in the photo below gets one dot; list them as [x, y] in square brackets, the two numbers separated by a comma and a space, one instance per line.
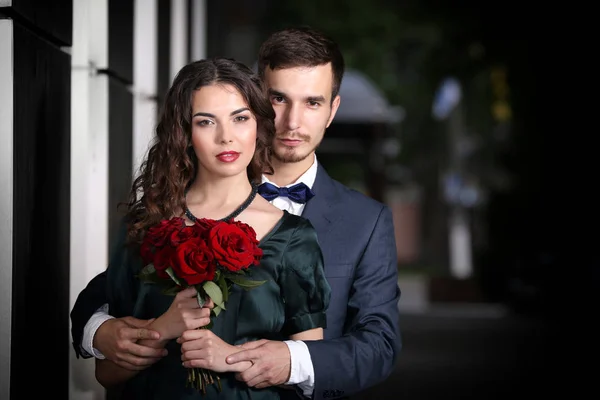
[319, 209]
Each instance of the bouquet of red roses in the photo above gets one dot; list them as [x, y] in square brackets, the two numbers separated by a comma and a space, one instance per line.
[209, 255]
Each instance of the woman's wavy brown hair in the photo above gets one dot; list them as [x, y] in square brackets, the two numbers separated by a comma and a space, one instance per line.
[171, 164]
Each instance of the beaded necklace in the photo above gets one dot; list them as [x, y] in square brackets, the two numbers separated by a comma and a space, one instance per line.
[235, 213]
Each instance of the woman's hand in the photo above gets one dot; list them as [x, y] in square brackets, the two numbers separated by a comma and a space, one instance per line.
[183, 314]
[203, 349]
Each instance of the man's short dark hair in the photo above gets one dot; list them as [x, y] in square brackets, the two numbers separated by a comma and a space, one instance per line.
[301, 47]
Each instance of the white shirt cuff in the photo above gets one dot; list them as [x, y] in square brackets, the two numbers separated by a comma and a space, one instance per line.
[302, 371]
[89, 331]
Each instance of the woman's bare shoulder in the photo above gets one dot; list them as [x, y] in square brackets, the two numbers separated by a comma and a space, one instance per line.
[262, 216]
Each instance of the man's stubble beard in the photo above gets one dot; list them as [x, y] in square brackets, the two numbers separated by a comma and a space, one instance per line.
[289, 157]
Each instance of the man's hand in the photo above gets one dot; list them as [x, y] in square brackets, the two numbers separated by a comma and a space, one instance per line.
[116, 340]
[271, 363]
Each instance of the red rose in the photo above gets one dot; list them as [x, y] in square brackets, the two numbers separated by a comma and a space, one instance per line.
[248, 230]
[193, 262]
[205, 225]
[182, 235]
[233, 248]
[147, 252]
[159, 234]
[162, 261]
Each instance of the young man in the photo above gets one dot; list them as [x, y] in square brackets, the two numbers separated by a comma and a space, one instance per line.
[302, 70]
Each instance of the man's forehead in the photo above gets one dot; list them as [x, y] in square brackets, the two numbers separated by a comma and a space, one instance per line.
[322, 69]
[300, 81]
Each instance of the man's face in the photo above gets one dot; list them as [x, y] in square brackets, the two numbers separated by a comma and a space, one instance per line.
[301, 98]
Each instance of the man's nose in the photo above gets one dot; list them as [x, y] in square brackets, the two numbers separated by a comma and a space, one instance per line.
[293, 118]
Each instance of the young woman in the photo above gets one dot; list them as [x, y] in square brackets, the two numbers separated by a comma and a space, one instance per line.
[212, 144]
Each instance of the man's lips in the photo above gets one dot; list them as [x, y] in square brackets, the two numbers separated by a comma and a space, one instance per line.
[291, 141]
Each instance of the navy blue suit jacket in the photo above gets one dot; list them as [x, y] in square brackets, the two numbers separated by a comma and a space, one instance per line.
[362, 337]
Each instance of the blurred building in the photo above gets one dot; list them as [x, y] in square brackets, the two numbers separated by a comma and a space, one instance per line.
[81, 84]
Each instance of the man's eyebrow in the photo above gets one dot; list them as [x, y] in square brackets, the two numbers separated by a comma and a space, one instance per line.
[316, 99]
[274, 92]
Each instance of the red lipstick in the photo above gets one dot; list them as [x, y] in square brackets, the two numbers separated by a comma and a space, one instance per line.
[228, 156]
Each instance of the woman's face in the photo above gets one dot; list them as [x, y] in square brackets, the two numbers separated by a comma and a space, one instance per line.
[223, 130]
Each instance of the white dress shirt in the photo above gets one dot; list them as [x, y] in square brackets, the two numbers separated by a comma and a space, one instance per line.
[302, 371]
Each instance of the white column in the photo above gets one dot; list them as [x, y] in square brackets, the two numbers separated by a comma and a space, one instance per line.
[89, 168]
[179, 37]
[6, 201]
[198, 30]
[144, 78]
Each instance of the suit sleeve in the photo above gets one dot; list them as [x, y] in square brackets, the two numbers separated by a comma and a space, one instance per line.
[95, 295]
[365, 355]
[89, 300]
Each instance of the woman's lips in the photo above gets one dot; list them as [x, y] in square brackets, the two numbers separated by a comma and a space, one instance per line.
[228, 156]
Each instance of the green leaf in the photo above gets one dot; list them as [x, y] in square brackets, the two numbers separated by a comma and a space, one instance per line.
[201, 300]
[224, 288]
[173, 276]
[244, 283]
[214, 292]
[217, 309]
[148, 269]
[148, 274]
[171, 291]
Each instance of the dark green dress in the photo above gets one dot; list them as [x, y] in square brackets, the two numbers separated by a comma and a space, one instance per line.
[294, 299]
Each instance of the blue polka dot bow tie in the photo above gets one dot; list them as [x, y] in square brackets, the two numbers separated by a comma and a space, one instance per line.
[298, 193]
